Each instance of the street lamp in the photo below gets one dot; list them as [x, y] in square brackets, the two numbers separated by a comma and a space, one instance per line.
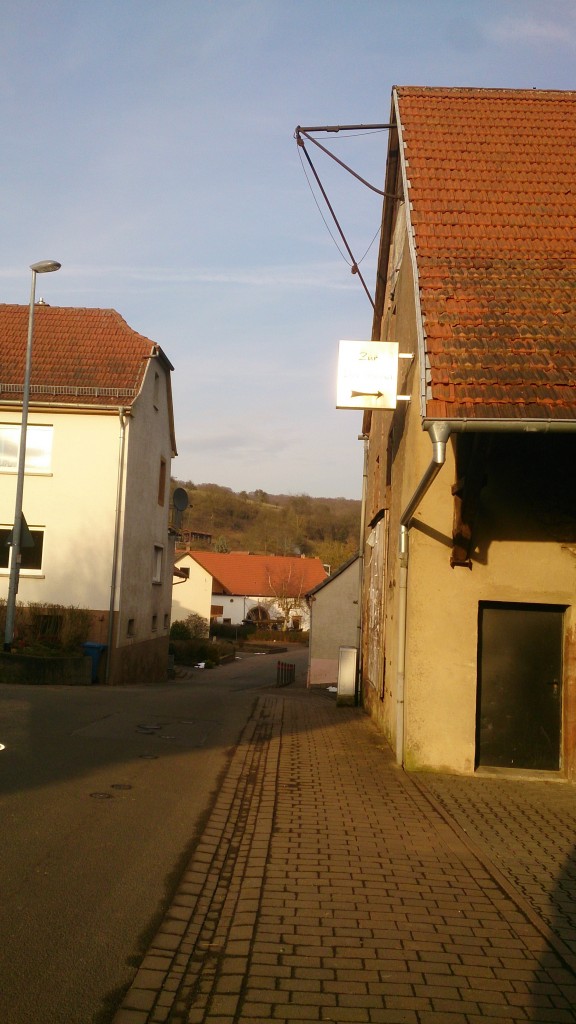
[44, 267]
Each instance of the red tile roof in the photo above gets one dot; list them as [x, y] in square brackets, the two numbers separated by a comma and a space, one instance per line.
[80, 356]
[492, 193]
[249, 575]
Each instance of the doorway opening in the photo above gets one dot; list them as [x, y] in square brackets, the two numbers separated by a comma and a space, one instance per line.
[519, 696]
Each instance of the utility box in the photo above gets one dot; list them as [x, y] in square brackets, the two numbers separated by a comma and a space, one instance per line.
[347, 662]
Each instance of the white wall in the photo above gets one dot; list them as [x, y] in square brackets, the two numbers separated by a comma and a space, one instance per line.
[194, 595]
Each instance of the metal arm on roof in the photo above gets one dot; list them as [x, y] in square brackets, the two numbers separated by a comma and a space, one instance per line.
[346, 127]
[305, 133]
[299, 134]
[355, 269]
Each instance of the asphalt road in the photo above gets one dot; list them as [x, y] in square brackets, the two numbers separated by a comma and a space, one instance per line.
[102, 793]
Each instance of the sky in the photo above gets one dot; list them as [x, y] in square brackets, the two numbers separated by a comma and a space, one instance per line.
[149, 147]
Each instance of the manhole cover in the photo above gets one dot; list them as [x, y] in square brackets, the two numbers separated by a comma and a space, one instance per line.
[120, 785]
[101, 796]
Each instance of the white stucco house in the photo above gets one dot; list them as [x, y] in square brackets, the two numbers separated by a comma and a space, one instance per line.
[100, 441]
[192, 588]
[269, 590]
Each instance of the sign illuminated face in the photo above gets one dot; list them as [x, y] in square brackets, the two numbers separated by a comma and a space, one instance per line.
[367, 375]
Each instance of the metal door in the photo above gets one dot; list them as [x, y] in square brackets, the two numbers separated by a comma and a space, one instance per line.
[519, 686]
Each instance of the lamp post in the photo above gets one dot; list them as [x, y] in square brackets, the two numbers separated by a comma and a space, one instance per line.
[44, 267]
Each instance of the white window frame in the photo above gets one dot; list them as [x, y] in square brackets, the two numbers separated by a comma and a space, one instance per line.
[39, 440]
[25, 570]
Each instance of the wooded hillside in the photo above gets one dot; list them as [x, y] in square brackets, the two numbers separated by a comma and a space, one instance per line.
[281, 524]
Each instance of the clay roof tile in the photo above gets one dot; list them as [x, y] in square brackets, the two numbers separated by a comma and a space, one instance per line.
[493, 209]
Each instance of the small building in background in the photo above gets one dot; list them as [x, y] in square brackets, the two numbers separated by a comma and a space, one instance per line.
[334, 622]
[267, 590]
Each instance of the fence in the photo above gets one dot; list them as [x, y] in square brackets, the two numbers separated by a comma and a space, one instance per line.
[285, 673]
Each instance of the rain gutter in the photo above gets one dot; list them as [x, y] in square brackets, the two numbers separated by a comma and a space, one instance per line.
[361, 563]
[439, 434]
[513, 426]
[123, 416]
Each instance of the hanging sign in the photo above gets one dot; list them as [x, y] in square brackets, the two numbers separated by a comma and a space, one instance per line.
[367, 375]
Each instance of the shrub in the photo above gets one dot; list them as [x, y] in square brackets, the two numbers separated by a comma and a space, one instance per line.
[49, 627]
[194, 627]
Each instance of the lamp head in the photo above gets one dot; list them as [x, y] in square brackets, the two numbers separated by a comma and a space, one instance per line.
[45, 266]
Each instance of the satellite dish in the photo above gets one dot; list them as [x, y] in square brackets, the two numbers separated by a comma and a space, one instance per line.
[180, 499]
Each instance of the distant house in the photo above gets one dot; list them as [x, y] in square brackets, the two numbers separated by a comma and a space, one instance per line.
[192, 588]
[269, 590]
[469, 639]
[334, 622]
[100, 441]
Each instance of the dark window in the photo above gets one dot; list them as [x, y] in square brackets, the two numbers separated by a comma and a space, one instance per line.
[31, 557]
[162, 482]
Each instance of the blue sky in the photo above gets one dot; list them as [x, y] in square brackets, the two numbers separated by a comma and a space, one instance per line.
[148, 146]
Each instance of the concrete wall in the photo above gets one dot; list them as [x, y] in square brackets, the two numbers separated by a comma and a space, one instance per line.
[24, 669]
[333, 624]
[144, 603]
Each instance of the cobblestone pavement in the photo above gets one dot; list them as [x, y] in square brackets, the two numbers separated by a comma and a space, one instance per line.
[328, 885]
[527, 829]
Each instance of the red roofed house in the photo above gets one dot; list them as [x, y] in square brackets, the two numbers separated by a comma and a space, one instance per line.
[96, 493]
[267, 589]
[469, 639]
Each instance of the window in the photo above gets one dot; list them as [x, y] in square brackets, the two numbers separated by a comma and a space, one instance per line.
[131, 630]
[166, 620]
[156, 389]
[31, 548]
[154, 623]
[38, 448]
[162, 482]
[157, 564]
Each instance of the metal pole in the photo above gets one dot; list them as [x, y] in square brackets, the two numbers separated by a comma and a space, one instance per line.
[46, 266]
[15, 555]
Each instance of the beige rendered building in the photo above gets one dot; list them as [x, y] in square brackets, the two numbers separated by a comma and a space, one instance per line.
[99, 446]
[469, 638]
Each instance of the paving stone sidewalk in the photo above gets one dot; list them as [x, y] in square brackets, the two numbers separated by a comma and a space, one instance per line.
[328, 885]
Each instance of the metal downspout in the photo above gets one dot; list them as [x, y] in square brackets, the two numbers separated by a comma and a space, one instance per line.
[439, 434]
[364, 438]
[117, 522]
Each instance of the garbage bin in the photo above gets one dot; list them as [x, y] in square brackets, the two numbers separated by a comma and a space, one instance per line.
[95, 652]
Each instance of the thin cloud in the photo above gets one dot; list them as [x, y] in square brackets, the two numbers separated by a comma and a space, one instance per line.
[522, 30]
[280, 277]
